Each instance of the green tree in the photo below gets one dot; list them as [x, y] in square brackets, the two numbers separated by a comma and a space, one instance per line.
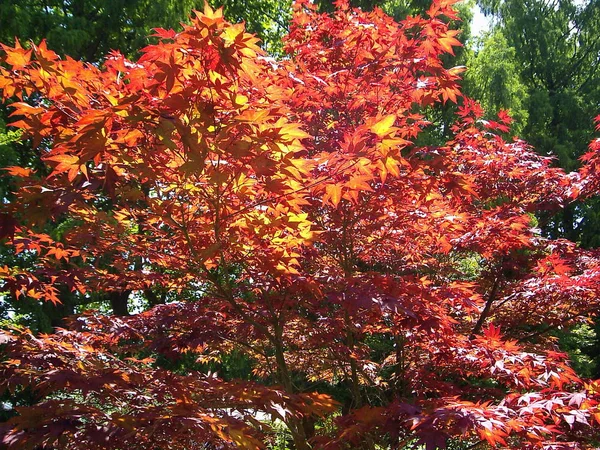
[90, 29]
[541, 62]
[493, 78]
[268, 19]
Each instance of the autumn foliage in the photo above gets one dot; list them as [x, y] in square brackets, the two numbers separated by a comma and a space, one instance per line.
[385, 293]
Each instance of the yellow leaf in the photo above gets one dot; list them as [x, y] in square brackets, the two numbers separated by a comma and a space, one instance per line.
[448, 42]
[112, 99]
[293, 131]
[17, 57]
[253, 116]
[333, 192]
[384, 125]
[244, 440]
[212, 13]
[457, 70]
[392, 166]
[240, 100]
[232, 33]
[297, 217]
[360, 183]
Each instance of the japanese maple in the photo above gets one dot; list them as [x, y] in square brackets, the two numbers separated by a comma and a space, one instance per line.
[396, 294]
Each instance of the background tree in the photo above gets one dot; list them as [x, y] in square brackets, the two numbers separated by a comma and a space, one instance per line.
[89, 29]
[493, 78]
[551, 48]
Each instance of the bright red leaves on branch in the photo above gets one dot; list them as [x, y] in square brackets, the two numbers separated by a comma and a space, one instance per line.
[398, 294]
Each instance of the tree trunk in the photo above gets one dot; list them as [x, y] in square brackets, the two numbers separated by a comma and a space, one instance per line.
[118, 302]
[296, 426]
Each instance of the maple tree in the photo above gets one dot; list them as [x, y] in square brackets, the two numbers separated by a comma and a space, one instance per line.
[385, 293]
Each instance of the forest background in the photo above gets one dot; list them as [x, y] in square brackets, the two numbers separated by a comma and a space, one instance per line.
[539, 60]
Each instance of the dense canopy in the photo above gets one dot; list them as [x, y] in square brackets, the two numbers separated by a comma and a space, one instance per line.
[381, 293]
